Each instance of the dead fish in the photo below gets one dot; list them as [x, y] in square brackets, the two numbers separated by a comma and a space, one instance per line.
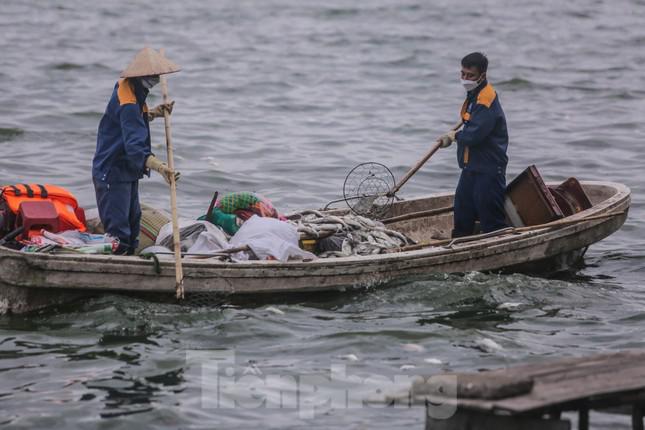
[364, 236]
[365, 221]
[312, 211]
[353, 223]
[346, 247]
[330, 227]
[398, 235]
[381, 236]
[328, 254]
[308, 230]
[330, 219]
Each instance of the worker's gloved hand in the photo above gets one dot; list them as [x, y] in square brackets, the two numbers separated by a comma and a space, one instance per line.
[154, 163]
[158, 111]
[447, 139]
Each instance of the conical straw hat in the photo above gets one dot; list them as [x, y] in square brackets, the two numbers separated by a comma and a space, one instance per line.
[149, 62]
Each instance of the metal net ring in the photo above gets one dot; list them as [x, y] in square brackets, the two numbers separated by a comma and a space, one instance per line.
[366, 189]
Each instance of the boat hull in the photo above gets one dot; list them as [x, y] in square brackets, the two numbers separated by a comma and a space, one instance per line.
[29, 281]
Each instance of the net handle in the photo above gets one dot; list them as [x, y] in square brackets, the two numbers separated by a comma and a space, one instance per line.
[421, 162]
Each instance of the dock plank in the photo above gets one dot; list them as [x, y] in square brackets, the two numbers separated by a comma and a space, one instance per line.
[555, 384]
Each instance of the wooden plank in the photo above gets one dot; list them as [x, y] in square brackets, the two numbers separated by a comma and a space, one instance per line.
[477, 385]
[600, 380]
[556, 369]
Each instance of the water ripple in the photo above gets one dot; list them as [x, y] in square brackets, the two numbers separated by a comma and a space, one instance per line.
[284, 98]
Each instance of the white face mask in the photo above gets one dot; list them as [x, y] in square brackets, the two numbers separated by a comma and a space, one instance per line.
[149, 81]
[469, 85]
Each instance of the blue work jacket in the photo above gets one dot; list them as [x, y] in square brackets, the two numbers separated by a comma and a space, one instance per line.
[482, 143]
[123, 139]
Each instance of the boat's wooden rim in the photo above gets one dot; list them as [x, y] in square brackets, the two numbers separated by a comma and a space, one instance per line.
[609, 205]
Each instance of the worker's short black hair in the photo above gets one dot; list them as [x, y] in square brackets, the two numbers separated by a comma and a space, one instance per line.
[475, 59]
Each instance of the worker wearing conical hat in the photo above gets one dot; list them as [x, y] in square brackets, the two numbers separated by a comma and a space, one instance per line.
[123, 152]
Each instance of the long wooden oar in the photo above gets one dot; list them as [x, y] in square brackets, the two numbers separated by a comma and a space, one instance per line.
[420, 163]
[179, 272]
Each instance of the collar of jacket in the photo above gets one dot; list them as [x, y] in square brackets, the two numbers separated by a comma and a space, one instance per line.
[472, 94]
[140, 92]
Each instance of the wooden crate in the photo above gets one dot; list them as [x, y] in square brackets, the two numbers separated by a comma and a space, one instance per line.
[529, 201]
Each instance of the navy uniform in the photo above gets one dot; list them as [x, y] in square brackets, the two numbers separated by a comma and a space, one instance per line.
[122, 147]
[481, 154]
[123, 153]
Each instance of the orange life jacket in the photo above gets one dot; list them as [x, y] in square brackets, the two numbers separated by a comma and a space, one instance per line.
[70, 215]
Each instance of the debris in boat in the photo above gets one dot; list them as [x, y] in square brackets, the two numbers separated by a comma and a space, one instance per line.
[71, 241]
[257, 239]
[342, 236]
[37, 206]
[270, 238]
[195, 237]
[230, 211]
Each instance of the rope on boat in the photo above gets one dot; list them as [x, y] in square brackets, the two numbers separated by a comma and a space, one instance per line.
[155, 261]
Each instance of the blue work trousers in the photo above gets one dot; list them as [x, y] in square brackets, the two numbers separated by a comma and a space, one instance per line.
[479, 196]
[120, 212]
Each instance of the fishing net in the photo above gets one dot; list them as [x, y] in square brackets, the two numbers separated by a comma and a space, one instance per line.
[367, 190]
[203, 299]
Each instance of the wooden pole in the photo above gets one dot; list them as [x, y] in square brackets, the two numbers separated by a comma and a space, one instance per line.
[179, 272]
[420, 163]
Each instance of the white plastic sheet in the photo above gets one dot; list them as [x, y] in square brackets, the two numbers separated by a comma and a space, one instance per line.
[270, 237]
[208, 241]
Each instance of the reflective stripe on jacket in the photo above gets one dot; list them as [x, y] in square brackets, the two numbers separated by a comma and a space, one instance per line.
[483, 141]
[123, 139]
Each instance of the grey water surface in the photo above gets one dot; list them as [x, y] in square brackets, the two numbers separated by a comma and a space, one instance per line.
[284, 98]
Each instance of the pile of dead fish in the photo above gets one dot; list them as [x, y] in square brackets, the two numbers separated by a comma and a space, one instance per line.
[346, 235]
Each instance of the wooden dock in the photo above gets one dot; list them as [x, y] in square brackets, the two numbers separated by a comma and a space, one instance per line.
[534, 396]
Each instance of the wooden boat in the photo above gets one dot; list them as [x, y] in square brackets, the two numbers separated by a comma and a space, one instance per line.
[29, 281]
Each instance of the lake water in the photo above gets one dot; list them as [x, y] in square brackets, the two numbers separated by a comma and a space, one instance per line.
[284, 98]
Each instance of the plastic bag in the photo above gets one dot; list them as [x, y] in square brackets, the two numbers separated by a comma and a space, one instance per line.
[269, 237]
[190, 234]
